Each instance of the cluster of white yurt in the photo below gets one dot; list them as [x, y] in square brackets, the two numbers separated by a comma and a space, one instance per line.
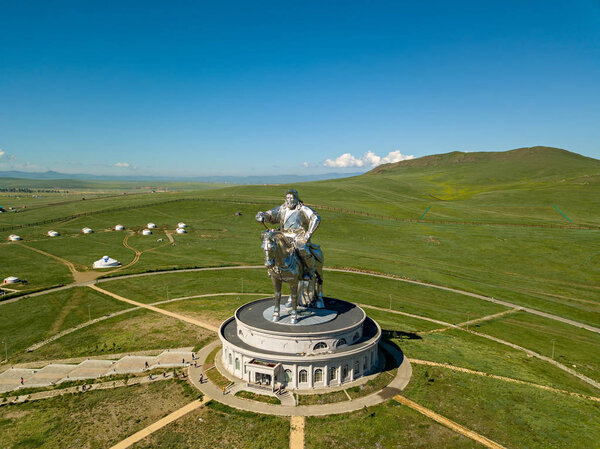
[52, 234]
[119, 227]
[106, 262]
[87, 230]
[151, 226]
[14, 237]
[146, 232]
[181, 228]
[11, 280]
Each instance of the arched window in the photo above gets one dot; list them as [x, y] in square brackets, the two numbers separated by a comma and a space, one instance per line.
[237, 363]
[303, 376]
[356, 367]
[356, 337]
[288, 376]
[332, 373]
[318, 376]
[345, 371]
[230, 359]
[340, 342]
[320, 345]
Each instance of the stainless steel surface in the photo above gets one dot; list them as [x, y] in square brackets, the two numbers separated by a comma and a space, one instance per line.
[290, 256]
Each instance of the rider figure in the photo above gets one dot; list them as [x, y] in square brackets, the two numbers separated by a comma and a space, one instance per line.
[298, 222]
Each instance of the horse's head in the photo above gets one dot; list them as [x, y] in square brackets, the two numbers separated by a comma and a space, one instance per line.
[269, 245]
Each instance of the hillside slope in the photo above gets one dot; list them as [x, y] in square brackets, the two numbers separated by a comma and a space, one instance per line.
[517, 186]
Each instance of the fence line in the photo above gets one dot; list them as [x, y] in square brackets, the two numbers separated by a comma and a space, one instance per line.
[319, 206]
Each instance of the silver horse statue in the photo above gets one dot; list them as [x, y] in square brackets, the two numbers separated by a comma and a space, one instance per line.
[285, 265]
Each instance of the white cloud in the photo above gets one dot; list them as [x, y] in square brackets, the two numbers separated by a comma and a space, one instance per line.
[2, 153]
[369, 159]
[305, 164]
[123, 164]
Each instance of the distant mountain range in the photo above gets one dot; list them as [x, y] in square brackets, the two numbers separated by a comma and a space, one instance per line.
[274, 179]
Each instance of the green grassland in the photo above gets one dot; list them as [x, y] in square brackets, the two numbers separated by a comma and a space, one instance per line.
[220, 427]
[150, 289]
[510, 414]
[29, 321]
[94, 419]
[138, 330]
[470, 351]
[40, 271]
[213, 310]
[492, 229]
[388, 425]
[573, 346]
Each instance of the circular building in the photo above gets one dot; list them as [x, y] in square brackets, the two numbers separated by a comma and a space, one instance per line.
[52, 234]
[326, 347]
[181, 231]
[106, 262]
[146, 232]
[181, 224]
[14, 238]
[11, 280]
[87, 230]
[119, 227]
[151, 226]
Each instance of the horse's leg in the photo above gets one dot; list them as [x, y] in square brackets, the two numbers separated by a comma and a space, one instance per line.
[294, 297]
[277, 296]
[319, 286]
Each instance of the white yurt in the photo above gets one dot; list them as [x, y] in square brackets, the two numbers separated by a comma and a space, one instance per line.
[87, 230]
[119, 227]
[106, 262]
[151, 226]
[147, 232]
[11, 280]
[14, 237]
[180, 231]
[181, 224]
[52, 234]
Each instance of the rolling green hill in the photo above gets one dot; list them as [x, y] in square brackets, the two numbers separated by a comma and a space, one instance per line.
[514, 187]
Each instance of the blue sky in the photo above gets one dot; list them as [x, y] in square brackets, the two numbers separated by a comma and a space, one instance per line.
[193, 88]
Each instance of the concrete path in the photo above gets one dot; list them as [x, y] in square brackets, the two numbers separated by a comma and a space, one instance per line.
[505, 379]
[56, 373]
[208, 388]
[178, 316]
[449, 423]
[130, 441]
[297, 432]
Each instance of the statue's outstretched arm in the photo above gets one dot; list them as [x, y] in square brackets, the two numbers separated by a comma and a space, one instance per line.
[270, 216]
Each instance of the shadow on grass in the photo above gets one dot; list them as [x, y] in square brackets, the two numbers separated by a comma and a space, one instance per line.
[389, 334]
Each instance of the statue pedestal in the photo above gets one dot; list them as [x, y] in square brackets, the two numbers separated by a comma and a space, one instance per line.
[306, 316]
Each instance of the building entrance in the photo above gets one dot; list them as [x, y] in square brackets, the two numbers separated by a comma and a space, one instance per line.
[262, 379]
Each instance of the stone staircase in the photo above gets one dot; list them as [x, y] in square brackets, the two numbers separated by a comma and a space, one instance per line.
[56, 373]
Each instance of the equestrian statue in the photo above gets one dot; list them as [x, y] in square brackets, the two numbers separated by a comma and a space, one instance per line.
[291, 257]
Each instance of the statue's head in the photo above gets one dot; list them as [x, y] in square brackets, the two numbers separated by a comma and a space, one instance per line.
[291, 198]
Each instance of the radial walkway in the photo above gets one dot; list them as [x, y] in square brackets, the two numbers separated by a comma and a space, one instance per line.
[56, 373]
